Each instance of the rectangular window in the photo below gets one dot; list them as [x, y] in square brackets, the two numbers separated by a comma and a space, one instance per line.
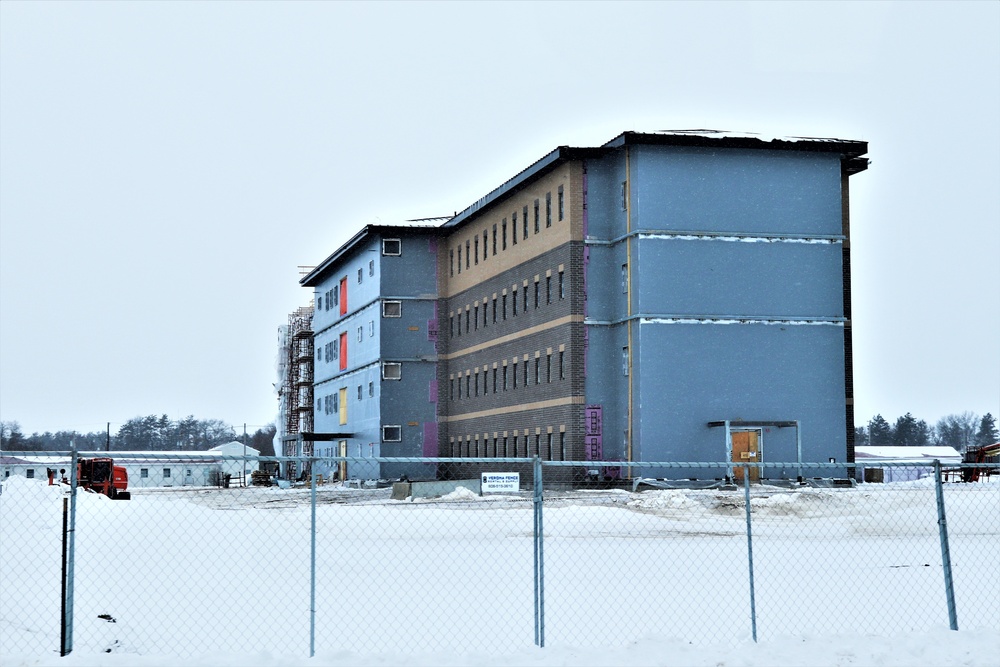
[562, 365]
[392, 434]
[477, 248]
[515, 444]
[371, 267]
[536, 294]
[494, 379]
[144, 473]
[537, 218]
[548, 209]
[505, 378]
[484, 245]
[476, 384]
[451, 262]
[548, 368]
[494, 310]
[392, 309]
[341, 403]
[562, 446]
[504, 308]
[30, 473]
[548, 289]
[319, 302]
[359, 276]
[475, 318]
[513, 302]
[166, 473]
[562, 201]
[625, 360]
[525, 221]
[371, 328]
[467, 320]
[494, 239]
[371, 389]
[562, 287]
[359, 392]
[361, 334]
[468, 386]
[459, 260]
[343, 295]
[503, 234]
[392, 247]
[334, 403]
[624, 278]
[467, 253]
[515, 375]
[624, 195]
[538, 366]
[525, 372]
[392, 371]
[548, 447]
[343, 351]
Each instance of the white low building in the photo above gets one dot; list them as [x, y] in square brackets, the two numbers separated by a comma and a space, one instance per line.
[150, 469]
[882, 458]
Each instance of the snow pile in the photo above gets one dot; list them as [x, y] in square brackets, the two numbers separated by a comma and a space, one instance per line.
[940, 647]
[461, 493]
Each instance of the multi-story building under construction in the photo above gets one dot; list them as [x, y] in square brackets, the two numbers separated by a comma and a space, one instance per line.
[661, 297]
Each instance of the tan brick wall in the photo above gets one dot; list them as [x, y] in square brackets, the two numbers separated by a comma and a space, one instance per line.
[569, 176]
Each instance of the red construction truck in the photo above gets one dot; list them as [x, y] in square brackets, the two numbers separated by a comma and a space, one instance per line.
[101, 475]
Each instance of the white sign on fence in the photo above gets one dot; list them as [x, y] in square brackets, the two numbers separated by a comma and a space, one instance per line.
[501, 482]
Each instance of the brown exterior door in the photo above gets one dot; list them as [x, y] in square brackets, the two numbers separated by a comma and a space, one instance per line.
[746, 449]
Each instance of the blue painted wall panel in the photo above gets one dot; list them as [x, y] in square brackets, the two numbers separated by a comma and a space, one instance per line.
[696, 373]
[731, 190]
[716, 277]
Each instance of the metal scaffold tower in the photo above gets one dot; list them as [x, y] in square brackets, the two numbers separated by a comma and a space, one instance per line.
[296, 393]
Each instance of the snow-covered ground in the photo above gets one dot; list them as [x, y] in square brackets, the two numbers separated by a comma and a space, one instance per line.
[221, 577]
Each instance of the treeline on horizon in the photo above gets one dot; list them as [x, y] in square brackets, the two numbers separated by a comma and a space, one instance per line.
[960, 431]
[150, 433]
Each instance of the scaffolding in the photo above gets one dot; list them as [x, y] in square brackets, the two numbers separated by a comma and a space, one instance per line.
[295, 395]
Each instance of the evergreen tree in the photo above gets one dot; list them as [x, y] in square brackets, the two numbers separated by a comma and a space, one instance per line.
[987, 433]
[879, 431]
[860, 436]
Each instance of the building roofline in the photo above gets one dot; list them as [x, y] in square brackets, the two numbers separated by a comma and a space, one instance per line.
[316, 275]
[849, 150]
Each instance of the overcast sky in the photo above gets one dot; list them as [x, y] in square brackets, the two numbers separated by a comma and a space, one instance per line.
[165, 167]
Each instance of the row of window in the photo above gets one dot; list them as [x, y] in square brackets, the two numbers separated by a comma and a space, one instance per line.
[337, 296]
[337, 350]
[337, 403]
[507, 376]
[498, 313]
[496, 238]
[548, 446]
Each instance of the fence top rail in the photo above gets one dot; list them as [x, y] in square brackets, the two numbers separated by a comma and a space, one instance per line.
[53, 457]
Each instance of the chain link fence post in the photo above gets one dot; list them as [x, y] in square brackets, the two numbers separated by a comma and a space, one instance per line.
[949, 587]
[539, 555]
[312, 558]
[67, 618]
[753, 600]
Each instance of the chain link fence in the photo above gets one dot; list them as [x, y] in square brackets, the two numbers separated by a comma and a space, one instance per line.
[538, 552]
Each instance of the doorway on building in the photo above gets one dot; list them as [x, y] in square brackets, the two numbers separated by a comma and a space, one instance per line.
[746, 449]
[342, 465]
